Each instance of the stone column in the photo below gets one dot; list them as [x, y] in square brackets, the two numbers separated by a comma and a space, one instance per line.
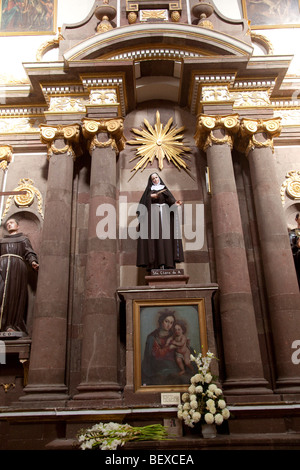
[99, 367]
[243, 364]
[46, 379]
[256, 140]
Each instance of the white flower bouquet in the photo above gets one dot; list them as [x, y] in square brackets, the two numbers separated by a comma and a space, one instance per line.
[204, 401]
[108, 436]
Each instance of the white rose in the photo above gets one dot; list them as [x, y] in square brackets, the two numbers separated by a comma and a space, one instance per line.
[212, 388]
[185, 397]
[193, 397]
[192, 389]
[219, 418]
[194, 404]
[199, 389]
[179, 414]
[208, 378]
[186, 406]
[210, 403]
[209, 419]
[218, 392]
[225, 413]
[196, 417]
[222, 404]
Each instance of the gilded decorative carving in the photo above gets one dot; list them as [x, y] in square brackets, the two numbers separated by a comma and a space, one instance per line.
[250, 127]
[250, 98]
[66, 104]
[215, 93]
[113, 127]
[68, 133]
[291, 186]
[206, 125]
[146, 15]
[17, 125]
[6, 153]
[48, 45]
[25, 200]
[103, 96]
[159, 142]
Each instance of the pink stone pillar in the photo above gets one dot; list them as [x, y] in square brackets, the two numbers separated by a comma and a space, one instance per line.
[99, 367]
[46, 380]
[280, 277]
[243, 364]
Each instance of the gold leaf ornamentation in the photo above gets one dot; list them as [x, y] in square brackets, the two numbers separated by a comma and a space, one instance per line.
[159, 142]
[25, 200]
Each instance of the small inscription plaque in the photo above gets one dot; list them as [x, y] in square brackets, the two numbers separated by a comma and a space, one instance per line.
[167, 272]
[170, 398]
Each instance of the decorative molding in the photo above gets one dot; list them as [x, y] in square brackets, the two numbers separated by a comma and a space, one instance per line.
[70, 134]
[67, 104]
[25, 200]
[13, 125]
[248, 99]
[156, 53]
[291, 186]
[48, 45]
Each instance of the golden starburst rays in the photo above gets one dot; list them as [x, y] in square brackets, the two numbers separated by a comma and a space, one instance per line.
[159, 142]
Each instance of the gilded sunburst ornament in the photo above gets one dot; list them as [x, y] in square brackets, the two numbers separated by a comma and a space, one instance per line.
[159, 142]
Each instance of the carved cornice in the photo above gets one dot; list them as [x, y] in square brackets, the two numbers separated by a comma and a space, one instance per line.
[6, 153]
[112, 127]
[49, 134]
[249, 128]
[206, 125]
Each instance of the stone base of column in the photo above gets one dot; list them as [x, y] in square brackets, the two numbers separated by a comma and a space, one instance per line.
[288, 386]
[104, 392]
[50, 395]
[247, 387]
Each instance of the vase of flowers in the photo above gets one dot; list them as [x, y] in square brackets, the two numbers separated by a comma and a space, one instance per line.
[203, 402]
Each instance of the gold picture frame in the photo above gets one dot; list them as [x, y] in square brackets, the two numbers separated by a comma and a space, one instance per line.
[267, 14]
[160, 355]
[26, 18]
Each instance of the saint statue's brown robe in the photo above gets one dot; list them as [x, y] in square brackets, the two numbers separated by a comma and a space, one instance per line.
[16, 253]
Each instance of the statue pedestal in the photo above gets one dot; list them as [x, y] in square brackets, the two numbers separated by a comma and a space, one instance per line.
[167, 277]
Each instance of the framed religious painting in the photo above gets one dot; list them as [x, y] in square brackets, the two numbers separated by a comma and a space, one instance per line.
[27, 17]
[166, 332]
[265, 14]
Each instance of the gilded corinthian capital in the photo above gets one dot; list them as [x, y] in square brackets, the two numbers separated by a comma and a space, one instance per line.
[6, 153]
[207, 126]
[250, 128]
[70, 134]
[113, 128]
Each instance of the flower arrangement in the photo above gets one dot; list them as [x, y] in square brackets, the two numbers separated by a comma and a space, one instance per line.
[204, 402]
[108, 436]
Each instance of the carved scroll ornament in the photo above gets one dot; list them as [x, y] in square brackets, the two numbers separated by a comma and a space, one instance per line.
[68, 133]
[206, 125]
[291, 186]
[251, 127]
[112, 127]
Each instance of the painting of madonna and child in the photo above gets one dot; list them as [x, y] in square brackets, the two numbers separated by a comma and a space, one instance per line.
[166, 334]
